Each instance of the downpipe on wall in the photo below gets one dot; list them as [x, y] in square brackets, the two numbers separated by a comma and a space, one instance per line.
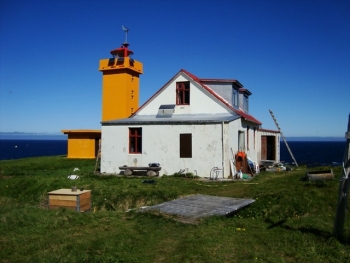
[222, 149]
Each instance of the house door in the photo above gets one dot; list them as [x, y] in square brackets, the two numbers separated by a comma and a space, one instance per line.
[268, 147]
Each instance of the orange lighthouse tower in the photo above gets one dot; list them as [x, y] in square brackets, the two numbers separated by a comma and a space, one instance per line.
[120, 98]
[120, 83]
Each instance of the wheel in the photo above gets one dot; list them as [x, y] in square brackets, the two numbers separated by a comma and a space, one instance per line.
[128, 172]
[151, 173]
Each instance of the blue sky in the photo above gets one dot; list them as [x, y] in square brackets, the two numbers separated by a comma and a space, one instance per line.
[294, 56]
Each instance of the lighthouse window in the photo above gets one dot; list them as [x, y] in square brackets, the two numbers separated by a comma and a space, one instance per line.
[135, 140]
[183, 93]
[111, 62]
[120, 61]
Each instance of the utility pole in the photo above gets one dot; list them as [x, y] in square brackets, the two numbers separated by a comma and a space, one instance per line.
[284, 139]
[343, 189]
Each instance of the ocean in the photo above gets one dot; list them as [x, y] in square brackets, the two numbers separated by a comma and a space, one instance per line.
[17, 149]
[314, 153]
[17, 146]
[310, 153]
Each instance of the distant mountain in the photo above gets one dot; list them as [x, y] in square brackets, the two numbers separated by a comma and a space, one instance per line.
[32, 136]
[315, 139]
[32, 133]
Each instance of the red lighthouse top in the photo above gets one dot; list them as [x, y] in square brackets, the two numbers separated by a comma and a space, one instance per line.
[123, 51]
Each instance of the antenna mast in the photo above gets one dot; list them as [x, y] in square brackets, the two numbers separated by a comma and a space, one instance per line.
[284, 139]
[126, 30]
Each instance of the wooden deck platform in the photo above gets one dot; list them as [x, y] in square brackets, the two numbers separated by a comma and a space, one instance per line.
[194, 207]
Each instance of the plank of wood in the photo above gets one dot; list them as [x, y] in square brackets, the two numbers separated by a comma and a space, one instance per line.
[62, 197]
[320, 177]
[67, 192]
[65, 203]
[141, 168]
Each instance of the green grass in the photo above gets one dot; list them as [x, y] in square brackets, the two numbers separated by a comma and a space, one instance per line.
[291, 221]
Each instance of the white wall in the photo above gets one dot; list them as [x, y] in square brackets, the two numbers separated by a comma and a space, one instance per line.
[200, 100]
[160, 144]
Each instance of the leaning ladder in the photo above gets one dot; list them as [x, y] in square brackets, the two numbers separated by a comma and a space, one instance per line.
[98, 158]
[284, 139]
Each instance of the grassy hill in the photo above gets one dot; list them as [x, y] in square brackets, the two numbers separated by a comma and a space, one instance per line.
[290, 221]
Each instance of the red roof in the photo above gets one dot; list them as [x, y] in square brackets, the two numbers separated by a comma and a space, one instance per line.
[239, 112]
[123, 51]
[244, 115]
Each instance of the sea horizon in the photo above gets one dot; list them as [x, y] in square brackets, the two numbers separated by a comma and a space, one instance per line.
[307, 150]
[61, 136]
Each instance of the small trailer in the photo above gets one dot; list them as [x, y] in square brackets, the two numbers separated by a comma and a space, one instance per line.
[151, 170]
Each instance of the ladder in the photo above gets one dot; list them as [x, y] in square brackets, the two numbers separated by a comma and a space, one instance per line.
[284, 139]
[98, 158]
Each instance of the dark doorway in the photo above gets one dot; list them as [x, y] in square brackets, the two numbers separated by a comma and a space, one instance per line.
[268, 148]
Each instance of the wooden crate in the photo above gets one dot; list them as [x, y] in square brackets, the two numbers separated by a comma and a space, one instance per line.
[320, 175]
[78, 200]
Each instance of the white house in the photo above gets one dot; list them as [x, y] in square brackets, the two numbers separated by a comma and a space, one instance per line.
[190, 124]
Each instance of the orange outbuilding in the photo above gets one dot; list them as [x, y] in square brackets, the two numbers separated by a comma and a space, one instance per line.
[83, 143]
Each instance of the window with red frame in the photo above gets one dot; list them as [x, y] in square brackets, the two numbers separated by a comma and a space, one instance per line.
[135, 140]
[183, 93]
